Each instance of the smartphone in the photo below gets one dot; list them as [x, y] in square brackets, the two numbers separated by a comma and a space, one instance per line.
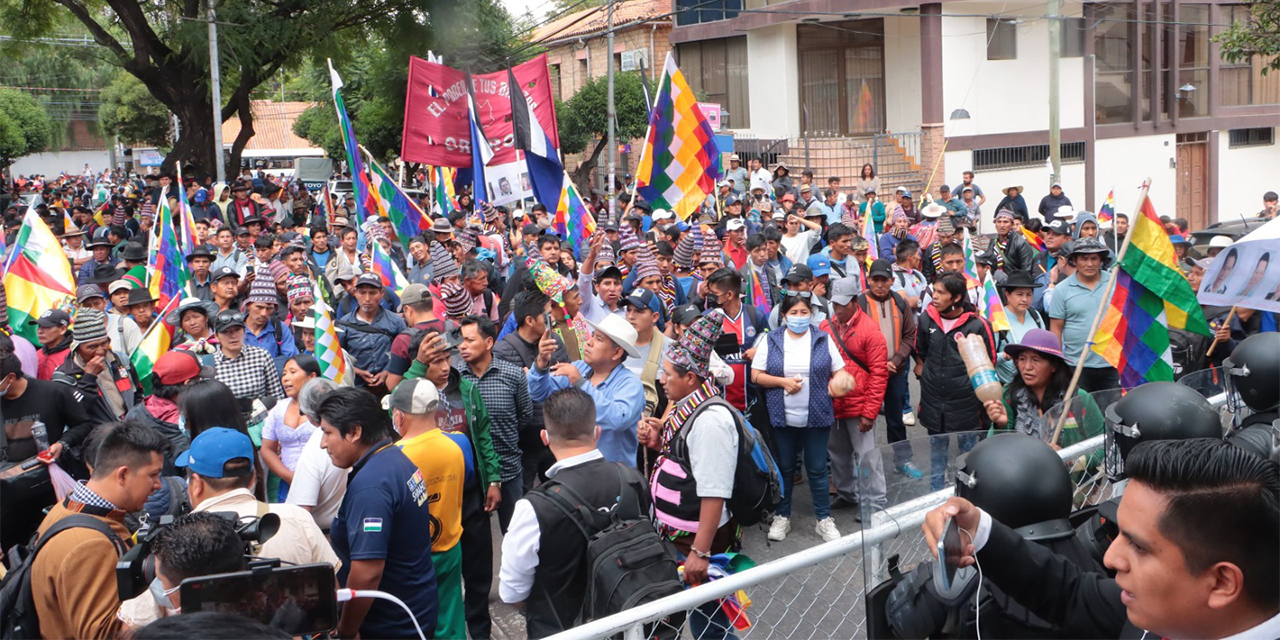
[296, 600]
[950, 550]
[452, 338]
[547, 318]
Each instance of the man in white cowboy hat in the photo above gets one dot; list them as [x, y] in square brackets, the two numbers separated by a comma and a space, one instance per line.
[617, 392]
[737, 174]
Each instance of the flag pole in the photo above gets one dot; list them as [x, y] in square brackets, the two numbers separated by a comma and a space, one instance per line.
[159, 319]
[1097, 319]
[1225, 323]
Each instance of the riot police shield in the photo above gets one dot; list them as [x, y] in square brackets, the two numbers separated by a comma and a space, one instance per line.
[1085, 418]
[1212, 384]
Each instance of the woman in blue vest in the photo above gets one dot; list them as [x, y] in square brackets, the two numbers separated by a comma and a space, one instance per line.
[801, 370]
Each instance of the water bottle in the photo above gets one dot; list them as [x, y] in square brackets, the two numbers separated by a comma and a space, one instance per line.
[981, 374]
[40, 433]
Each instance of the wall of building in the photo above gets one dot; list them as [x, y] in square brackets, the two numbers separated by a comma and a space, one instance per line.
[572, 73]
[1244, 174]
[1123, 163]
[774, 86]
[53, 163]
[1001, 98]
[1034, 181]
[902, 74]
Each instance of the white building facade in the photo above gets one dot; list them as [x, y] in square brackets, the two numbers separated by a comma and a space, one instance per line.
[1143, 93]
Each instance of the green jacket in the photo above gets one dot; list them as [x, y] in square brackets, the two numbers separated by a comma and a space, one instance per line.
[489, 466]
[1084, 422]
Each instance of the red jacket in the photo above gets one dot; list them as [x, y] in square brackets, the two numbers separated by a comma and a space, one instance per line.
[865, 355]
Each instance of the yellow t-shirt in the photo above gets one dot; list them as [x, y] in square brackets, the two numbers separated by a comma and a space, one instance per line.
[445, 461]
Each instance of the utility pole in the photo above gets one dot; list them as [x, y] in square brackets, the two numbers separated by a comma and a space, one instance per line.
[215, 87]
[1054, 15]
[613, 147]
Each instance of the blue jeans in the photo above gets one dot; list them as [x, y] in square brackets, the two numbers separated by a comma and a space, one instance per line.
[939, 444]
[812, 443]
[896, 396]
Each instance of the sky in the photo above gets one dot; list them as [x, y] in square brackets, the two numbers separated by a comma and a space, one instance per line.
[518, 7]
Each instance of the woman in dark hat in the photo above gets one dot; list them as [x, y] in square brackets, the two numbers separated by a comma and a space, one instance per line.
[1018, 292]
[1042, 380]
[100, 246]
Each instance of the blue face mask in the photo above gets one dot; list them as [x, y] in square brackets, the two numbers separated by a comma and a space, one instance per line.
[161, 595]
[798, 324]
[182, 423]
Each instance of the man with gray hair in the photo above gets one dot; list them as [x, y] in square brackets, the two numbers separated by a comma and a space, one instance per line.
[318, 485]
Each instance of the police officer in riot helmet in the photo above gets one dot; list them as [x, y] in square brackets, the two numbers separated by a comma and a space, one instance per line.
[1156, 411]
[1153, 411]
[1253, 394]
[1022, 482]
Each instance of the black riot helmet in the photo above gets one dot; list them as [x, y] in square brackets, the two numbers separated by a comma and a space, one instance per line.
[1262, 440]
[1253, 373]
[1021, 482]
[1156, 411]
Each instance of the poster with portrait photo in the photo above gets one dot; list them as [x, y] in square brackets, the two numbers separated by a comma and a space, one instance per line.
[507, 183]
[1246, 274]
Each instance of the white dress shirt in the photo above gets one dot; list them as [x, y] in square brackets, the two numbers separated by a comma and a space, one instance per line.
[523, 540]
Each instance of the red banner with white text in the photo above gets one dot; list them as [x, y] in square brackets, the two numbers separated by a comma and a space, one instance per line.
[436, 127]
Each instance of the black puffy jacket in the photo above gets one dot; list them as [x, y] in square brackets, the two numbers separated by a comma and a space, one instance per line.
[947, 401]
[1019, 255]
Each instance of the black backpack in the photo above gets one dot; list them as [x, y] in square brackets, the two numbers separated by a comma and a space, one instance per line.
[757, 480]
[630, 563]
[17, 603]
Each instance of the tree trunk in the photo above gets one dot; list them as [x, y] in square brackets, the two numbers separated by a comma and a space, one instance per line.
[582, 175]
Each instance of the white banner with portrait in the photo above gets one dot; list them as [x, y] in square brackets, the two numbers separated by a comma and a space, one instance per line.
[1246, 274]
[507, 183]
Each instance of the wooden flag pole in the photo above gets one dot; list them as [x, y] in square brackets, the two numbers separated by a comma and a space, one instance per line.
[1226, 323]
[1097, 318]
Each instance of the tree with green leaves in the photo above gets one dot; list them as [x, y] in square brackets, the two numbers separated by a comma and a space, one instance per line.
[583, 121]
[129, 111]
[24, 126]
[164, 44]
[1260, 36]
[481, 39]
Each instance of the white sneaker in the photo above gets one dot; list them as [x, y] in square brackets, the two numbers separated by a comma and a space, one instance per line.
[778, 530]
[826, 528]
[909, 419]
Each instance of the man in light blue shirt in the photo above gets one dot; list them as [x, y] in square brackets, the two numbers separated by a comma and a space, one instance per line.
[829, 206]
[617, 392]
[1072, 308]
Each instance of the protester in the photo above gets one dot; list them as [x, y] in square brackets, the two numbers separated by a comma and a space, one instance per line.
[1053, 202]
[1014, 202]
[852, 447]
[801, 370]
[286, 430]
[617, 393]
[447, 464]
[947, 401]
[1040, 384]
[377, 532]
[246, 370]
[1075, 303]
[96, 371]
[1018, 293]
[317, 485]
[369, 332]
[73, 578]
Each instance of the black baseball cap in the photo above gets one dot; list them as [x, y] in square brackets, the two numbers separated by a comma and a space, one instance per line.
[880, 268]
[798, 273]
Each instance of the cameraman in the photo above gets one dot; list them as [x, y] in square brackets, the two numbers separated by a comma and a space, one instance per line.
[1198, 555]
[220, 473]
[197, 544]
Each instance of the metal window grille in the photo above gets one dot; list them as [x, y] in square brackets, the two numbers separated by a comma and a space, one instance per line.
[1257, 137]
[1032, 155]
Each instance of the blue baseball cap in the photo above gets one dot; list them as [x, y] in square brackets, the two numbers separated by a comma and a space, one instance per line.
[819, 265]
[213, 449]
[641, 298]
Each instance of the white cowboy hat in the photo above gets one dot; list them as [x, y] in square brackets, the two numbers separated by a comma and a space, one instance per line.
[933, 210]
[620, 332]
[1066, 212]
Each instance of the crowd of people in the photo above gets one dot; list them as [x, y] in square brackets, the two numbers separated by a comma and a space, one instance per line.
[510, 369]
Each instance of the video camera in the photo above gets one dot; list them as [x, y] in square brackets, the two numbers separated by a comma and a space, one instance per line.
[299, 600]
[137, 567]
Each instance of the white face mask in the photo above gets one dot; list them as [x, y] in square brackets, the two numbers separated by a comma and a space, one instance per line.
[161, 595]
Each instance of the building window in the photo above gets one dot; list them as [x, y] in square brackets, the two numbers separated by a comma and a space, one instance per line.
[717, 72]
[584, 72]
[1071, 43]
[1114, 35]
[1243, 82]
[554, 73]
[697, 11]
[842, 77]
[1259, 137]
[1032, 155]
[1002, 39]
[1192, 89]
